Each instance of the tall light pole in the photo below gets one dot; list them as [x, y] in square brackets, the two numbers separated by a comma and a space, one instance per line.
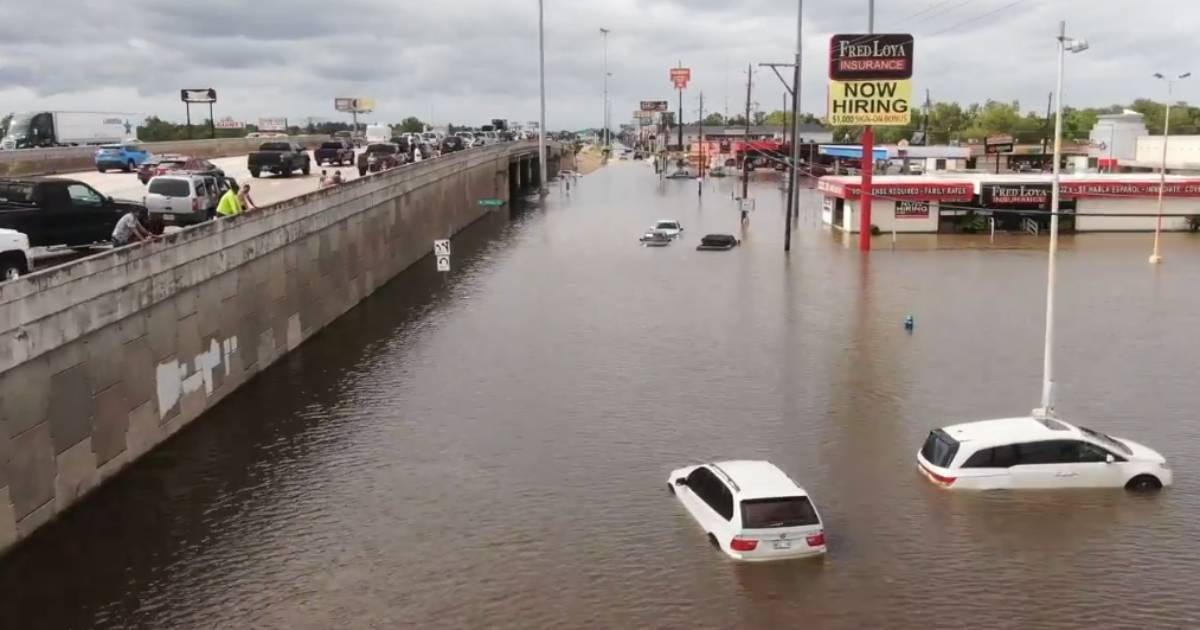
[604, 138]
[542, 189]
[1155, 258]
[1073, 45]
[794, 180]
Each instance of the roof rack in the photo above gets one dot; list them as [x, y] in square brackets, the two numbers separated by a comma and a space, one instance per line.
[727, 477]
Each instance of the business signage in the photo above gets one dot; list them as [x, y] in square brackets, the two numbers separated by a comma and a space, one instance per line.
[654, 106]
[863, 57]
[202, 95]
[355, 105]
[680, 77]
[642, 114]
[998, 143]
[272, 124]
[1187, 188]
[229, 123]
[1021, 195]
[870, 102]
[912, 209]
[916, 191]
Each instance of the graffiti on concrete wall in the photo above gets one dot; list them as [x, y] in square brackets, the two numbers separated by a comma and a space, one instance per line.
[175, 379]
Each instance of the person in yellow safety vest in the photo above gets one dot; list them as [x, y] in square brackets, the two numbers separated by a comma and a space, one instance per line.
[229, 204]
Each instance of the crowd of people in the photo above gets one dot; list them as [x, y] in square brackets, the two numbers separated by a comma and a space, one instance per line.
[131, 227]
[327, 181]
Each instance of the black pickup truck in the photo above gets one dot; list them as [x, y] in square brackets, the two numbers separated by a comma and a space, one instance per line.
[339, 152]
[281, 158]
[53, 211]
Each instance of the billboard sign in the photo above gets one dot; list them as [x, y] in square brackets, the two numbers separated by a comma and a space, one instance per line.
[863, 57]
[1024, 195]
[202, 95]
[272, 124]
[998, 143]
[229, 123]
[355, 105]
[680, 77]
[881, 102]
[654, 106]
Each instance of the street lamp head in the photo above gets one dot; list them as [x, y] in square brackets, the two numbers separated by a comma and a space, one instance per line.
[1185, 75]
[1075, 45]
[1159, 75]
[605, 31]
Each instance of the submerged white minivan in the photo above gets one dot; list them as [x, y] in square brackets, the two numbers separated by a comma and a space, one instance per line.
[751, 510]
[1037, 452]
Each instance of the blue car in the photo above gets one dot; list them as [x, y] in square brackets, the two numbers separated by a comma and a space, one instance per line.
[126, 157]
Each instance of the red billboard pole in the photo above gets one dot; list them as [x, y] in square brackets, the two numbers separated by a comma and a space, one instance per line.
[868, 170]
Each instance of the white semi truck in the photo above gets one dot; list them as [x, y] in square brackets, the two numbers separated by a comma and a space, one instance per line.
[60, 129]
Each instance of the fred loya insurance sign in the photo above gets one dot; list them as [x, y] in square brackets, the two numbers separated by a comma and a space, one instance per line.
[870, 79]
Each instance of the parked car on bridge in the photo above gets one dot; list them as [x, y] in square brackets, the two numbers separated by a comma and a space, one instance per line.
[450, 144]
[184, 198]
[340, 152]
[59, 211]
[126, 157]
[163, 164]
[15, 259]
[380, 157]
[281, 158]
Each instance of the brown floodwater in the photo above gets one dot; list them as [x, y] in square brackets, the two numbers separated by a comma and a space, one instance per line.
[489, 449]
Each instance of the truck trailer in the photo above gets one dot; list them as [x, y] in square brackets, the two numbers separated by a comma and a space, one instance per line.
[63, 129]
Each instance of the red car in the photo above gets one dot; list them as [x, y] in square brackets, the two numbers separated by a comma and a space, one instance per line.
[163, 164]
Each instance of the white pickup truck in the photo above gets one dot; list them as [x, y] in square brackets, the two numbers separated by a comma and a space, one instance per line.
[15, 260]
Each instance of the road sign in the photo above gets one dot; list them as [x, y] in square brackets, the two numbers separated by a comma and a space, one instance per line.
[680, 77]
[443, 263]
[491, 202]
[441, 247]
[863, 57]
[746, 205]
[870, 102]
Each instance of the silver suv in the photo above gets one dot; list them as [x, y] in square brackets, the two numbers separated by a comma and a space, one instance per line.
[184, 198]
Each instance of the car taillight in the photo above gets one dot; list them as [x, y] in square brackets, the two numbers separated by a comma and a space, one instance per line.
[942, 479]
[195, 204]
[816, 540]
[743, 544]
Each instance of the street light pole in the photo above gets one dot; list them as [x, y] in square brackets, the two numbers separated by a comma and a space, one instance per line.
[794, 179]
[604, 138]
[1064, 44]
[1155, 257]
[542, 189]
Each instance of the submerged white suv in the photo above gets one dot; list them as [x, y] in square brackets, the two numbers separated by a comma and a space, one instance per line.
[1033, 452]
[751, 510]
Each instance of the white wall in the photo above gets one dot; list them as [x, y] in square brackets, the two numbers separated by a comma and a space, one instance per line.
[883, 215]
[1180, 150]
[1147, 206]
[1119, 133]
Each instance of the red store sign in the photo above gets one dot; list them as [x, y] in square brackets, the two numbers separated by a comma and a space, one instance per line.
[917, 191]
[1189, 188]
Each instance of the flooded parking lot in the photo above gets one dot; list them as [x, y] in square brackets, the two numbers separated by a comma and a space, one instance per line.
[490, 448]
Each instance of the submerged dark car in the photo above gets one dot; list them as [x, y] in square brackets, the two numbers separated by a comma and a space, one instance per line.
[717, 242]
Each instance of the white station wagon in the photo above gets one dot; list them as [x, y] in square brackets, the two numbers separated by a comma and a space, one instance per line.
[1031, 452]
[751, 510]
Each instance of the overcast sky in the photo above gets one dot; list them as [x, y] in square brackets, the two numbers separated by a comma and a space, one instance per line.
[466, 61]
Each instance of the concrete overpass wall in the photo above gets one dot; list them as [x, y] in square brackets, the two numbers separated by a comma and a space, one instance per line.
[70, 159]
[105, 358]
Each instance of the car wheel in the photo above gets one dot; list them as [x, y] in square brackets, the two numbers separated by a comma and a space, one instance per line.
[255, 173]
[101, 169]
[1144, 483]
[9, 271]
[307, 167]
[129, 166]
[671, 488]
[362, 172]
[712, 540]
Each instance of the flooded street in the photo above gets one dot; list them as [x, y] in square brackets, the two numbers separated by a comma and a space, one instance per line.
[490, 449]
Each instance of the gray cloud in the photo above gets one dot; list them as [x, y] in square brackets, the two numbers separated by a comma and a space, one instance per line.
[466, 61]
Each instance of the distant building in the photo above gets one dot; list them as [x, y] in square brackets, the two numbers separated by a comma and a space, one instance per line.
[809, 133]
[1115, 138]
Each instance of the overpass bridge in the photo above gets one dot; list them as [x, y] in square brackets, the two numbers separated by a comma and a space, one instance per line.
[105, 357]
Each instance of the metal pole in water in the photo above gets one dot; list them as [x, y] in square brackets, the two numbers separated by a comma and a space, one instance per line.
[542, 113]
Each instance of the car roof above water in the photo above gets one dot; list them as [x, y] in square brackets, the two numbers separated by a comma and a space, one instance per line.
[758, 479]
[1002, 431]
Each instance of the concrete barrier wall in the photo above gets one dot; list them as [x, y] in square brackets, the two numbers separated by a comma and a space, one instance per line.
[70, 159]
[106, 357]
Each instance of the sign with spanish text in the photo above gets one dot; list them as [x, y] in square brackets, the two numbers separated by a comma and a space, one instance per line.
[1186, 188]
[654, 106]
[862, 57]
[870, 102]
[680, 77]
[912, 209]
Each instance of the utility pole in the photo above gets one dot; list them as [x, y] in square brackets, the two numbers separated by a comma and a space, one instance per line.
[604, 138]
[679, 122]
[542, 189]
[1046, 135]
[794, 174]
[746, 138]
[701, 122]
[868, 161]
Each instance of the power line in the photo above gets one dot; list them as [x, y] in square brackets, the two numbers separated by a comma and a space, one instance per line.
[976, 18]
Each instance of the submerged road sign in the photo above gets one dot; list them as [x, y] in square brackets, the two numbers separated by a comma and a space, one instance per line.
[443, 263]
[441, 247]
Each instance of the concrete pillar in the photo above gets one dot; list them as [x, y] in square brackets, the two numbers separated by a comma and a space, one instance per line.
[514, 179]
[535, 172]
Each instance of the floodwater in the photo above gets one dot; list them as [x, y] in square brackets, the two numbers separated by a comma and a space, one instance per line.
[490, 449]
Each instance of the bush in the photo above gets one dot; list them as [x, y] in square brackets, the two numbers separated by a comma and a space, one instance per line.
[875, 231]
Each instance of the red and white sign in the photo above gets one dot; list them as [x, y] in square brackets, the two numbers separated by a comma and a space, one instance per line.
[916, 191]
[680, 77]
[912, 209]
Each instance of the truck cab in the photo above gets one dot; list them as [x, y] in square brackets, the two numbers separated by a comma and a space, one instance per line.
[28, 130]
[54, 211]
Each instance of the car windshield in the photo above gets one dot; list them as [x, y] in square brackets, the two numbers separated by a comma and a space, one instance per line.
[275, 146]
[331, 145]
[939, 448]
[170, 187]
[666, 225]
[387, 149]
[19, 126]
[110, 147]
[780, 512]
[1107, 440]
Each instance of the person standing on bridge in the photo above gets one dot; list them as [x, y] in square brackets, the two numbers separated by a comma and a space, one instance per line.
[230, 204]
[244, 200]
[323, 181]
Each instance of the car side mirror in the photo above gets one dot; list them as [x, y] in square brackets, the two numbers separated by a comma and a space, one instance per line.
[681, 481]
[108, 201]
[1108, 459]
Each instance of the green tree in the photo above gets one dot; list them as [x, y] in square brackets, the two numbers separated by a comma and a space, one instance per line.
[760, 117]
[412, 124]
[4, 124]
[714, 120]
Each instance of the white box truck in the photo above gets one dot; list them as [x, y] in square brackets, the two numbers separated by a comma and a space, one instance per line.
[59, 129]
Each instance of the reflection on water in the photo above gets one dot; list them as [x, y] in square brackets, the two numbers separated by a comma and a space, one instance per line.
[489, 449]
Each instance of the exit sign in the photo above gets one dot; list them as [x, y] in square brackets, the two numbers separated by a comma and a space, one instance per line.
[491, 202]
